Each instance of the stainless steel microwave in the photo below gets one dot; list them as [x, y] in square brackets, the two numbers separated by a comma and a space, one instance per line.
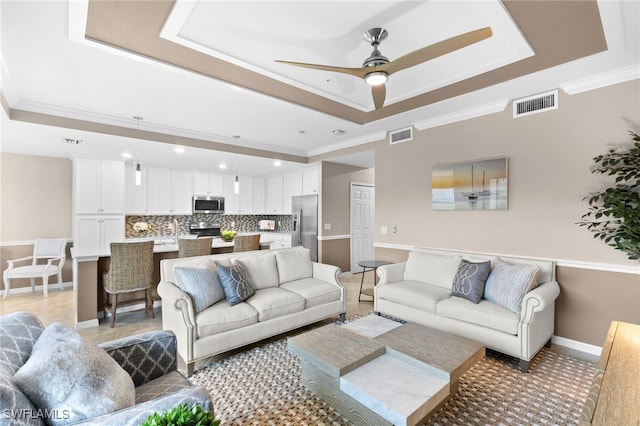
[208, 204]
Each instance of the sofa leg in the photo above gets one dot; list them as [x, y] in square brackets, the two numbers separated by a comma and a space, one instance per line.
[190, 366]
[524, 366]
[548, 344]
[343, 317]
[376, 313]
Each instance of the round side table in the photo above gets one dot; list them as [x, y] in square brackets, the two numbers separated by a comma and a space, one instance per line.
[369, 265]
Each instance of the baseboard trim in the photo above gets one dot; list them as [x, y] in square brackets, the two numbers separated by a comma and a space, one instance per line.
[576, 345]
[131, 308]
[52, 286]
[87, 324]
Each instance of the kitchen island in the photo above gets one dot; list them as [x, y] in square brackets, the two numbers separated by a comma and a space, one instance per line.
[89, 264]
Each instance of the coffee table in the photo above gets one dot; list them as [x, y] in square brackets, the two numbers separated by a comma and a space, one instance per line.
[399, 377]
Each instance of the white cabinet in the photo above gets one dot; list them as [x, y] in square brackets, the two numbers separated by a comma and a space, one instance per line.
[136, 195]
[310, 180]
[94, 233]
[99, 186]
[242, 202]
[292, 186]
[259, 187]
[205, 183]
[274, 194]
[169, 191]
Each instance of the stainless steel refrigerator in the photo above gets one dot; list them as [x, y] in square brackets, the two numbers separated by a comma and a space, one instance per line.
[304, 229]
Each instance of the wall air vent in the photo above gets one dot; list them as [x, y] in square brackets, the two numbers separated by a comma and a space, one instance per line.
[400, 135]
[535, 104]
[71, 141]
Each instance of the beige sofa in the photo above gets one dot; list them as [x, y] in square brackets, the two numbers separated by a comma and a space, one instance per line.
[290, 291]
[420, 290]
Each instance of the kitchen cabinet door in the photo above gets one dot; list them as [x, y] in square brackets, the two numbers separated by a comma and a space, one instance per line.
[98, 186]
[245, 195]
[159, 191]
[274, 201]
[230, 197]
[310, 180]
[205, 183]
[259, 187]
[181, 191]
[292, 186]
[94, 233]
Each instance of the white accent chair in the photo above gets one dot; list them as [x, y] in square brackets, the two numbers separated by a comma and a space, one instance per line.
[51, 250]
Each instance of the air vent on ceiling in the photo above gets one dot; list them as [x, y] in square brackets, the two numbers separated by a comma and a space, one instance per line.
[400, 135]
[71, 141]
[535, 104]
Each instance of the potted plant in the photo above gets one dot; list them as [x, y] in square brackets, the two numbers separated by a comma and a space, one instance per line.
[614, 213]
[182, 415]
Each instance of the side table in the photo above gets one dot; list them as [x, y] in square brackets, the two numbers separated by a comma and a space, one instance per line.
[369, 265]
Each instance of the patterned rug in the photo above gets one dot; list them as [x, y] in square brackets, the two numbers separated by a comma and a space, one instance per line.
[262, 387]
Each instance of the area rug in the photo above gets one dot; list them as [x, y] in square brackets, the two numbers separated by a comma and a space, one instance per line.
[262, 387]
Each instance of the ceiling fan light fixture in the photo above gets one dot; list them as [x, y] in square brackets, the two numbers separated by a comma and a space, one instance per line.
[376, 78]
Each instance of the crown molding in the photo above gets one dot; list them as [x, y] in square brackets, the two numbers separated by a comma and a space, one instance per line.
[465, 114]
[598, 81]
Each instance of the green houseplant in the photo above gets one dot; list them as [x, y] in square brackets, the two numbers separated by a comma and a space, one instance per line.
[614, 213]
[182, 415]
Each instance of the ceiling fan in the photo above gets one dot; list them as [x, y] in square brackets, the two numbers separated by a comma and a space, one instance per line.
[377, 68]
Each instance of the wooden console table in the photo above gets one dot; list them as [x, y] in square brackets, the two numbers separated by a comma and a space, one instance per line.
[614, 398]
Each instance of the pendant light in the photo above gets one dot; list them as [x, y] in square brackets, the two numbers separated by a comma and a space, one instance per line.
[236, 182]
[138, 166]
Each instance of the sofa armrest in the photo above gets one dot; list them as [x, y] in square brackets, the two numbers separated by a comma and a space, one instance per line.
[137, 414]
[179, 316]
[177, 300]
[392, 273]
[145, 356]
[328, 273]
[538, 300]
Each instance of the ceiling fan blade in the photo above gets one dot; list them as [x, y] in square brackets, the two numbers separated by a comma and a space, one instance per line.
[437, 49]
[379, 93]
[356, 72]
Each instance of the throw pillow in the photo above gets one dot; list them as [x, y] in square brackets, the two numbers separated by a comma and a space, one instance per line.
[294, 264]
[262, 270]
[73, 379]
[431, 268]
[508, 283]
[470, 280]
[235, 282]
[202, 285]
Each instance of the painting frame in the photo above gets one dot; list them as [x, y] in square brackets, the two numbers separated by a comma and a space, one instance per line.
[471, 185]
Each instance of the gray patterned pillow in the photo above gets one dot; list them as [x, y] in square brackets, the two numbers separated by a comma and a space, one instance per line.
[470, 280]
[235, 282]
[72, 378]
[508, 283]
[202, 285]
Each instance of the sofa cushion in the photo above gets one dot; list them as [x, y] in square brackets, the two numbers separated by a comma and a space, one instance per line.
[202, 285]
[315, 291]
[262, 270]
[431, 268]
[509, 283]
[69, 376]
[415, 294]
[293, 264]
[470, 279]
[166, 384]
[235, 282]
[275, 302]
[223, 317]
[485, 314]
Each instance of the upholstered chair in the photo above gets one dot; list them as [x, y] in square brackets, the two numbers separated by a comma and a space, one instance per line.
[130, 270]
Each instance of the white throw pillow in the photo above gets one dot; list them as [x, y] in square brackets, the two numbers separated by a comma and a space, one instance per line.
[431, 268]
[73, 379]
[262, 270]
[293, 264]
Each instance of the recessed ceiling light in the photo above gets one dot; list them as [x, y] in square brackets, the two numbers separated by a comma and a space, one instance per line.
[277, 163]
[179, 149]
[222, 166]
[126, 155]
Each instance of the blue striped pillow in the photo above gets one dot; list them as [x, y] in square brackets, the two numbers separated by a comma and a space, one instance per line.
[202, 285]
[508, 283]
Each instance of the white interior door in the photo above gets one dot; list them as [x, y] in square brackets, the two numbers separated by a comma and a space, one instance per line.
[362, 224]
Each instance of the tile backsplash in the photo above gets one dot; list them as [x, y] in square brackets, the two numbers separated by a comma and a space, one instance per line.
[160, 225]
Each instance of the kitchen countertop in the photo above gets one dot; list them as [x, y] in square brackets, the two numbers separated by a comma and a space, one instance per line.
[168, 244]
